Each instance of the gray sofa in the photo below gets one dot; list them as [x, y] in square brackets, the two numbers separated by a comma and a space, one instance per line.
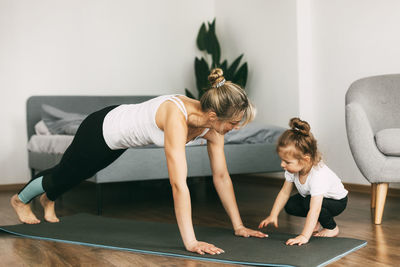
[145, 163]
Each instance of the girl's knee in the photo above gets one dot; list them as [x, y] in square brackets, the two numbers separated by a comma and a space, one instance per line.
[289, 208]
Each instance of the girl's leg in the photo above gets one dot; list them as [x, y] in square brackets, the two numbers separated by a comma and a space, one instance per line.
[329, 209]
[297, 206]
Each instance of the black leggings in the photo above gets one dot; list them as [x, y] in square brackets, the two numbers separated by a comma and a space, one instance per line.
[87, 154]
[299, 206]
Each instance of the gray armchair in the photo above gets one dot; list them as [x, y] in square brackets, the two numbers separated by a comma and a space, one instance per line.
[373, 131]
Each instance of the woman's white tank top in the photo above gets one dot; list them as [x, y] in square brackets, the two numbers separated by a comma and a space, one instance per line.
[133, 125]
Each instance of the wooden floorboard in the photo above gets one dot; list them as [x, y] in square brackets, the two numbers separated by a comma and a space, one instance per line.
[152, 201]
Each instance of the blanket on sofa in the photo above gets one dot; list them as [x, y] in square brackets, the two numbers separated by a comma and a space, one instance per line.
[54, 133]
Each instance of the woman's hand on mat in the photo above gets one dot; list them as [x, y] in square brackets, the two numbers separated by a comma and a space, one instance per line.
[269, 220]
[299, 240]
[246, 232]
[203, 247]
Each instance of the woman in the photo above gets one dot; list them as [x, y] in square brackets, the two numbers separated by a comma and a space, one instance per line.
[170, 121]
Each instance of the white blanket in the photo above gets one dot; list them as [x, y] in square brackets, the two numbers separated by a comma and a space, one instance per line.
[252, 133]
[52, 144]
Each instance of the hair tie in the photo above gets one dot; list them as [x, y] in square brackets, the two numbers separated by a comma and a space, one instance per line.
[220, 83]
[300, 131]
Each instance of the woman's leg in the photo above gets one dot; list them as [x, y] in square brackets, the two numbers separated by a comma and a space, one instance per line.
[87, 154]
[20, 202]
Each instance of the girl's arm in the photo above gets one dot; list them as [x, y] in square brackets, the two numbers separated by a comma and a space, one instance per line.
[311, 221]
[279, 203]
[223, 184]
[175, 135]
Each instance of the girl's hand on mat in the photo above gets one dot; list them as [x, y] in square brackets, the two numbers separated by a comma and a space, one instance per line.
[268, 220]
[203, 247]
[246, 232]
[299, 240]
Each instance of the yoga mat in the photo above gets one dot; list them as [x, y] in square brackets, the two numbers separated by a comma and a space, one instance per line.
[164, 239]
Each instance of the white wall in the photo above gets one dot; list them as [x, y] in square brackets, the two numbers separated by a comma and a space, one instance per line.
[89, 47]
[302, 57]
[265, 31]
[351, 40]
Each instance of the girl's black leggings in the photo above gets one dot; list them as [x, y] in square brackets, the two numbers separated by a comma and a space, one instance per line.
[87, 154]
[298, 205]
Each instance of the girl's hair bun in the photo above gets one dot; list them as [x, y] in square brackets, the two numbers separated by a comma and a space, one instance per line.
[216, 78]
[300, 126]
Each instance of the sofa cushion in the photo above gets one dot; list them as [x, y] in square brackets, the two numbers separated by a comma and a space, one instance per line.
[388, 141]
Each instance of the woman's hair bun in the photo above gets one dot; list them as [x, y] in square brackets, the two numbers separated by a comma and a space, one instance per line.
[216, 77]
[301, 126]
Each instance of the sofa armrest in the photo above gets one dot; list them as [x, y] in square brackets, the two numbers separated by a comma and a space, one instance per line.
[370, 161]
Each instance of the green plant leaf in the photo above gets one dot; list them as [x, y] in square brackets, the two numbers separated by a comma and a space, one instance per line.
[207, 41]
[240, 77]
[213, 47]
[202, 71]
[189, 94]
[232, 69]
[201, 38]
[224, 66]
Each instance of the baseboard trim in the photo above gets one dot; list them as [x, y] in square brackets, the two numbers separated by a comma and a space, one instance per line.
[258, 179]
[11, 187]
[274, 181]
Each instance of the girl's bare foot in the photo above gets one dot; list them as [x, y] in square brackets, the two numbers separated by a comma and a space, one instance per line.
[328, 233]
[49, 209]
[23, 211]
[316, 228]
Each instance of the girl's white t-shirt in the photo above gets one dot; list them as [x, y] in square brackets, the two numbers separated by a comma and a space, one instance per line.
[320, 181]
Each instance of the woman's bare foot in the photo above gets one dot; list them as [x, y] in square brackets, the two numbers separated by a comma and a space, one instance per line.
[316, 228]
[23, 211]
[328, 233]
[49, 209]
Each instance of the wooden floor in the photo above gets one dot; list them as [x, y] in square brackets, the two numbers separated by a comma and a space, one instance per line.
[152, 201]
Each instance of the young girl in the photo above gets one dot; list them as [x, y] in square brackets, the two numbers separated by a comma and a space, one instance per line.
[321, 193]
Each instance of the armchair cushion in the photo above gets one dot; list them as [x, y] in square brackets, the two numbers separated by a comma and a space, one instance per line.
[388, 141]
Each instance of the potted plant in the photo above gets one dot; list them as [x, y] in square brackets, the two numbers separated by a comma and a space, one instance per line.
[207, 42]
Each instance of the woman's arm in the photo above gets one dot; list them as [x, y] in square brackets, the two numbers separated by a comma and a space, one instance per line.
[175, 135]
[279, 203]
[223, 184]
[311, 221]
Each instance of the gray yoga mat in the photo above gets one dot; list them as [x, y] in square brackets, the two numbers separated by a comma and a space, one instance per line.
[164, 239]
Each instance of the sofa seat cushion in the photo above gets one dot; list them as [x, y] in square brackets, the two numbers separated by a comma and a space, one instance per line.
[388, 141]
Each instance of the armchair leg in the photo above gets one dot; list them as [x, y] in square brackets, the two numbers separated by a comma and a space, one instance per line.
[373, 195]
[381, 192]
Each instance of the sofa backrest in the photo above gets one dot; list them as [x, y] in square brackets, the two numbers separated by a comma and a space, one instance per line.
[75, 104]
[380, 98]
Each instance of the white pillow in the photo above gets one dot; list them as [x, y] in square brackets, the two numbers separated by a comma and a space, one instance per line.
[41, 128]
